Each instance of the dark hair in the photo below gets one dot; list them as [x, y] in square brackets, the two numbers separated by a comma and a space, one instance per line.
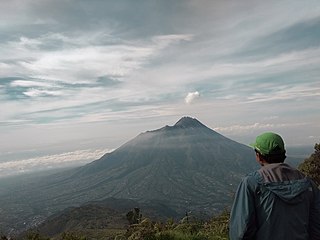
[272, 158]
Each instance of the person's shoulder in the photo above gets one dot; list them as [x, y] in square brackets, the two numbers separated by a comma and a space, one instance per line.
[253, 175]
[252, 179]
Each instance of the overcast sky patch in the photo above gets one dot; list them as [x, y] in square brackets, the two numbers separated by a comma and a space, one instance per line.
[110, 64]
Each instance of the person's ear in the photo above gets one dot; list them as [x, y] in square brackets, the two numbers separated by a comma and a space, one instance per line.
[259, 159]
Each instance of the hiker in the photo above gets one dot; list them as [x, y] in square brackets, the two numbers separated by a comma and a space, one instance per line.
[276, 202]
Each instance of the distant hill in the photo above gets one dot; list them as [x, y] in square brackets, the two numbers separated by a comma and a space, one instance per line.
[187, 167]
[108, 215]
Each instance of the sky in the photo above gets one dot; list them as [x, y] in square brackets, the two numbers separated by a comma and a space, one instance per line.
[79, 78]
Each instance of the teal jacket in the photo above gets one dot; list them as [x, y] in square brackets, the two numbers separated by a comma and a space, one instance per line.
[276, 202]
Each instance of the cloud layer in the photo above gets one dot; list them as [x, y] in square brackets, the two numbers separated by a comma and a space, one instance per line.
[63, 160]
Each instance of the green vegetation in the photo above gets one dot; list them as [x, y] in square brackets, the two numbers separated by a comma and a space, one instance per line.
[311, 165]
[216, 228]
[187, 229]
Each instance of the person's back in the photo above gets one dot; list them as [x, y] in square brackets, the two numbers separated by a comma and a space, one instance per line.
[275, 202]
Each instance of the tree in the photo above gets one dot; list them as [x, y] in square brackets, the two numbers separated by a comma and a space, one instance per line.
[3, 237]
[311, 166]
[34, 235]
[134, 216]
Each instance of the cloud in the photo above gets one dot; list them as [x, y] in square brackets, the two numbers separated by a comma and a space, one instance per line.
[191, 97]
[314, 138]
[288, 93]
[80, 57]
[40, 93]
[62, 160]
[166, 40]
[298, 36]
[81, 70]
[236, 129]
[26, 83]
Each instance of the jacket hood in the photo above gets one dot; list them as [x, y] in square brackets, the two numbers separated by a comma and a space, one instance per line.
[290, 191]
[284, 181]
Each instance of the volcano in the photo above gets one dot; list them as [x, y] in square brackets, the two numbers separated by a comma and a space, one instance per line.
[187, 167]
